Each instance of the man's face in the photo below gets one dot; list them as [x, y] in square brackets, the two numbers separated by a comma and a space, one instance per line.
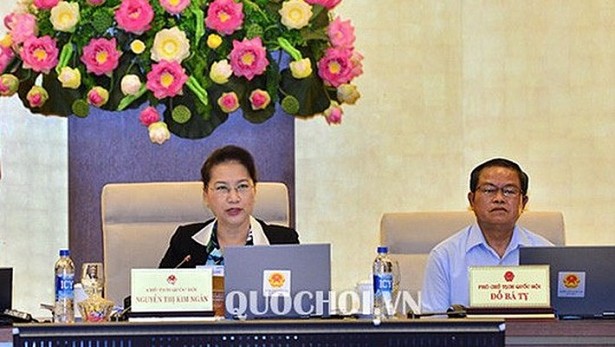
[498, 200]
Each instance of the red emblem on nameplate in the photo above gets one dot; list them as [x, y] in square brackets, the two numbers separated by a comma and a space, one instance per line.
[277, 280]
[509, 276]
[571, 281]
[171, 279]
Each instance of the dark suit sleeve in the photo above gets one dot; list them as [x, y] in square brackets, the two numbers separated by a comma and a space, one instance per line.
[278, 235]
[174, 253]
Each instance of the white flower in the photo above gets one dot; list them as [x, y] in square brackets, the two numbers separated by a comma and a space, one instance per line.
[220, 71]
[65, 16]
[159, 132]
[295, 14]
[301, 68]
[170, 44]
[130, 84]
[69, 77]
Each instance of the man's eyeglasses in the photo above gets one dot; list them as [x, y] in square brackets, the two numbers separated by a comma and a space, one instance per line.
[491, 190]
[224, 190]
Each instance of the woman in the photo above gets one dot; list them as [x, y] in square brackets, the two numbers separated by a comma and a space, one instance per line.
[229, 189]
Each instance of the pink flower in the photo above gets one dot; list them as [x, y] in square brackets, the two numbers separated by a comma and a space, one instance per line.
[328, 4]
[134, 16]
[39, 54]
[334, 113]
[37, 96]
[357, 64]
[167, 78]
[341, 33]
[149, 115]
[9, 20]
[248, 58]
[259, 99]
[101, 56]
[224, 16]
[228, 102]
[22, 26]
[336, 67]
[174, 6]
[6, 56]
[98, 96]
[45, 4]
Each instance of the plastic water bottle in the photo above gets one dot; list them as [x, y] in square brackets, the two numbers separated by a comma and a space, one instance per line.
[384, 280]
[64, 309]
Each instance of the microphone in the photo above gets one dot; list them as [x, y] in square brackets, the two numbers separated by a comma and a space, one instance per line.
[127, 300]
[186, 259]
[455, 311]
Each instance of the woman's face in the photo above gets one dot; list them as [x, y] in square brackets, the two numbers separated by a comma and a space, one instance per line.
[230, 194]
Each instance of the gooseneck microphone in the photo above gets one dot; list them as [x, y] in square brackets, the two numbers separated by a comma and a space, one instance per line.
[186, 259]
[127, 302]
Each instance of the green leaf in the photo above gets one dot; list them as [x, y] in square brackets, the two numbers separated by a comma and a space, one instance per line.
[312, 97]
[203, 122]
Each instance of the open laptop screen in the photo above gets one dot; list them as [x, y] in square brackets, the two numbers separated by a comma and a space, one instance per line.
[277, 281]
[581, 278]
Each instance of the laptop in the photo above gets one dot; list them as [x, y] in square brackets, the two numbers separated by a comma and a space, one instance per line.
[277, 281]
[581, 279]
[6, 288]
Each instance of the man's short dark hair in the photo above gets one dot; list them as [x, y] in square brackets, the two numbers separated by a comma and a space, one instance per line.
[227, 154]
[499, 162]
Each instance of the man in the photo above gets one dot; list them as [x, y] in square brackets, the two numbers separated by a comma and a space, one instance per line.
[498, 195]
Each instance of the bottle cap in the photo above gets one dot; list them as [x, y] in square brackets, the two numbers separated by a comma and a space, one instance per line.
[383, 249]
[64, 252]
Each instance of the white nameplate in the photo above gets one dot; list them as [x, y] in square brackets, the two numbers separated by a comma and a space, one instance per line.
[171, 290]
[512, 286]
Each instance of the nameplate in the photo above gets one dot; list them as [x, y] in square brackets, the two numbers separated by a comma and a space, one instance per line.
[171, 290]
[514, 286]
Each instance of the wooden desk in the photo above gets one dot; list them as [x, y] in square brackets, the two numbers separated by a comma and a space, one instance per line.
[267, 333]
[6, 334]
[519, 333]
[557, 333]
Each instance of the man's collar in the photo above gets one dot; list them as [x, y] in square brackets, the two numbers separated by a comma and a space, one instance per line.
[476, 238]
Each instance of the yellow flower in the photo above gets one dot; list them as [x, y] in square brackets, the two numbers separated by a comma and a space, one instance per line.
[137, 46]
[65, 16]
[220, 71]
[214, 41]
[348, 93]
[6, 41]
[70, 78]
[301, 68]
[295, 14]
[171, 45]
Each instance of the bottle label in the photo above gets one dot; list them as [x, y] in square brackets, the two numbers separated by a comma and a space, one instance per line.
[64, 286]
[383, 283]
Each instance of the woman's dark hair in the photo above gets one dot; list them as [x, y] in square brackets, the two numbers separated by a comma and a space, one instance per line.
[227, 154]
[499, 162]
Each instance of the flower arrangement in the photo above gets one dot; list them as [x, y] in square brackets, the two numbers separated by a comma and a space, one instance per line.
[201, 59]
